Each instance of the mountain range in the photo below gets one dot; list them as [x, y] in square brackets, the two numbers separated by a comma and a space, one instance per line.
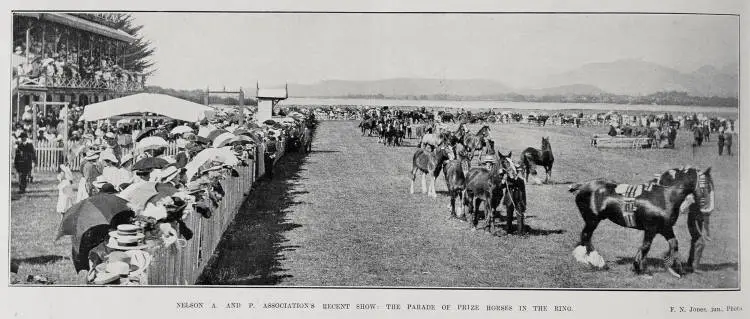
[623, 77]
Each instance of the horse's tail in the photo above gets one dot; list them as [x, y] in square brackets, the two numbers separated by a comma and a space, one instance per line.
[574, 187]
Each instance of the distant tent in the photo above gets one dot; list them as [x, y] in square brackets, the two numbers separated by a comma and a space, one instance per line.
[142, 103]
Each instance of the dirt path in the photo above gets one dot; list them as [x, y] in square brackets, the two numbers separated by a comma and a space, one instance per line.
[343, 216]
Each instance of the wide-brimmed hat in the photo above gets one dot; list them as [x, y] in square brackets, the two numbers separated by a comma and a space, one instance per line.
[91, 155]
[107, 155]
[110, 135]
[126, 237]
[166, 174]
[126, 158]
[488, 159]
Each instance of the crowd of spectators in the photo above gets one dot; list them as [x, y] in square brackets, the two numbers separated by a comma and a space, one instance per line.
[69, 69]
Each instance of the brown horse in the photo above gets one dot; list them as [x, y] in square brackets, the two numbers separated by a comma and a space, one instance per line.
[530, 157]
[427, 162]
[456, 181]
[651, 207]
[485, 185]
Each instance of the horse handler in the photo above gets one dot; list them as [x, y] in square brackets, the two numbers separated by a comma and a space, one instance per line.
[698, 226]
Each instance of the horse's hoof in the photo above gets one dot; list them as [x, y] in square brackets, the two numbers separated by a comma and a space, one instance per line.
[673, 272]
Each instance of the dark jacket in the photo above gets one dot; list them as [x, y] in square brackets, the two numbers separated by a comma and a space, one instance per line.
[25, 156]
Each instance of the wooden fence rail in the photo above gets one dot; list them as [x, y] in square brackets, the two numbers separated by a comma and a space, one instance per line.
[183, 265]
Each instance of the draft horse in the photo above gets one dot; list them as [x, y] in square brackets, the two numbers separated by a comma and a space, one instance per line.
[654, 209]
[492, 186]
[429, 162]
[531, 157]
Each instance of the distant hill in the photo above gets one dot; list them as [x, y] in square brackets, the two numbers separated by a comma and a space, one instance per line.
[398, 87]
[638, 77]
[564, 90]
[629, 77]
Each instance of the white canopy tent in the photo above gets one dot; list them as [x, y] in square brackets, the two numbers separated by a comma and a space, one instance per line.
[142, 103]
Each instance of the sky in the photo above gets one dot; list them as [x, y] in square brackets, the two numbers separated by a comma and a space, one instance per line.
[196, 50]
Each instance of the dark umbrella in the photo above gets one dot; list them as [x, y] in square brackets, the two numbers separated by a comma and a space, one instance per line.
[269, 122]
[211, 136]
[89, 221]
[241, 131]
[150, 163]
[146, 133]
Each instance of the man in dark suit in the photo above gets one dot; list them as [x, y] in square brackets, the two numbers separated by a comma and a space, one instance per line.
[270, 155]
[24, 161]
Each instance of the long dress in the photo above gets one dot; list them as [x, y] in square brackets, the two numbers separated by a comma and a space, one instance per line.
[66, 196]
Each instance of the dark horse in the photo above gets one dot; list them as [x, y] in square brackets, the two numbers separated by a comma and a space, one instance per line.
[651, 207]
[492, 186]
[530, 157]
[476, 142]
[455, 179]
[427, 162]
[367, 126]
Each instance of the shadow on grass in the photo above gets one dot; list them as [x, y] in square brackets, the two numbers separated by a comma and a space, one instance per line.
[251, 250]
[657, 262]
[37, 260]
[324, 151]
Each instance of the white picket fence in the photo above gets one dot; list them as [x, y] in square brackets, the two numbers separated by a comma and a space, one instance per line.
[50, 155]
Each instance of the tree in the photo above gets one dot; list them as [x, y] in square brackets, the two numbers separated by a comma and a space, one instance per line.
[137, 53]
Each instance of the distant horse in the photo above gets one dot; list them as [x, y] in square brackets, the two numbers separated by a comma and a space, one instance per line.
[367, 126]
[650, 207]
[455, 179]
[431, 139]
[530, 157]
[477, 141]
[431, 163]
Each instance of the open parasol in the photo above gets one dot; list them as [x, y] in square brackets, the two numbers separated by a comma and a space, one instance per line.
[146, 133]
[221, 139]
[89, 221]
[215, 133]
[139, 194]
[222, 155]
[151, 143]
[182, 129]
[150, 163]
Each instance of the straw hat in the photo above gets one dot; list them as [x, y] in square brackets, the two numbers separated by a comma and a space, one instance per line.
[107, 155]
[126, 237]
[110, 135]
[91, 155]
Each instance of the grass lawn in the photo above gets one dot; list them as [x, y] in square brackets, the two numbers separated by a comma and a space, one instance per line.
[342, 216]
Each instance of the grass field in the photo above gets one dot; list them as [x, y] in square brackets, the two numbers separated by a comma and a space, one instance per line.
[343, 216]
